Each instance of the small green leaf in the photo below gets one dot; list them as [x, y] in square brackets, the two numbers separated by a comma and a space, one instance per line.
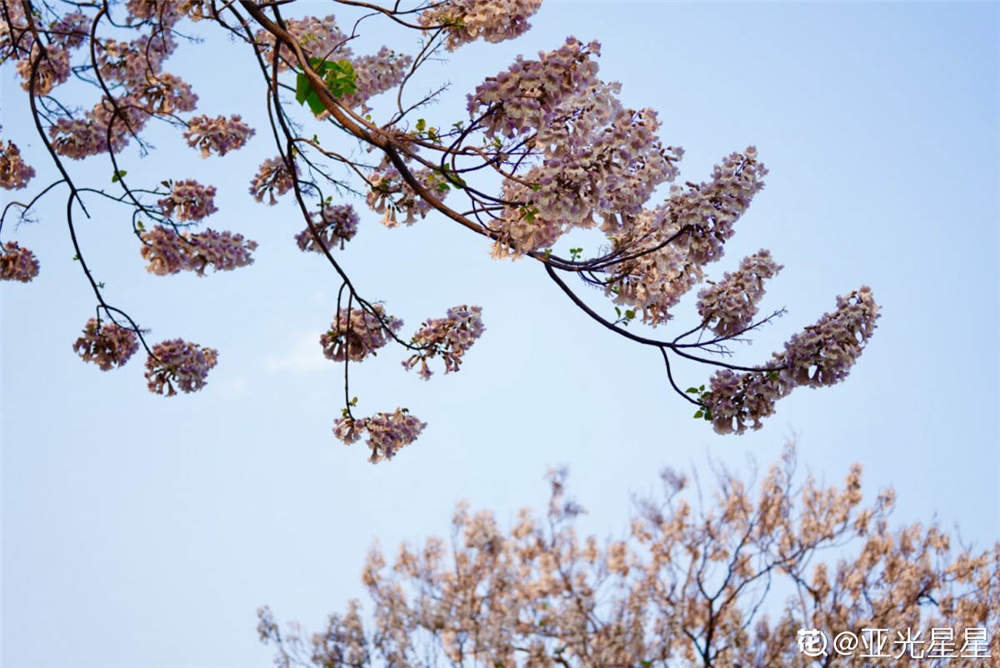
[630, 314]
[117, 176]
[692, 390]
[699, 414]
[421, 124]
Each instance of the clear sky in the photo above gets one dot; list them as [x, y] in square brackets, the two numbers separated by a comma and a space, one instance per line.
[144, 531]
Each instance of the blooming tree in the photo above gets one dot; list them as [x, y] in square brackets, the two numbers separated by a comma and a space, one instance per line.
[690, 585]
[544, 148]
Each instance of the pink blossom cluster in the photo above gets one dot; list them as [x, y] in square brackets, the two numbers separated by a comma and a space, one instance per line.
[107, 346]
[450, 337]
[697, 221]
[130, 62]
[178, 363]
[169, 252]
[360, 335]
[14, 172]
[272, 178]
[820, 355]
[319, 37]
[15, 33]
[599, 160]
[336, 225]
[728, 307]
[391, 195]
[529, 91]
[71, 30]
[469, 20]
[387, 432]
[376, 74]
[102, 128]
[166, 12]
[217, 135]
[51, 69]
[188, 200]
[17, 263]
[162, 93]
[824, 353]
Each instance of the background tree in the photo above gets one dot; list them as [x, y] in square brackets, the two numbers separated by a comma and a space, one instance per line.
[697, 584]
[545, 149]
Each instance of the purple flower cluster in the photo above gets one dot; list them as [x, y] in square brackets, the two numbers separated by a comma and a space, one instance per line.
[272, 178]
[14, 172]
[698, 219]
[822, 354]
[468, 20]
[526, 95]
[178, 363]
[390, 195]
[107, 346]
[450, 337]
[376, 74]
[387, 432]
[320, 38]
[360, 335]
[51, 69]
[188, 200]
[17, 264]
[217, 135]
[336, 225]
[728, 307]
[169, 252]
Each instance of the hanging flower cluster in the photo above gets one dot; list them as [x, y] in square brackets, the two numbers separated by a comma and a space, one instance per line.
[336, 226]
[449, 337]
[821, 355]
[106, 346]
[728, 307]
[14, 173]
[188, 200]
[358, 335]
[469, 20]
[387, 432]
[218, 135]
[179, 365]
[17, 263]
[272, 179]
[169, 252]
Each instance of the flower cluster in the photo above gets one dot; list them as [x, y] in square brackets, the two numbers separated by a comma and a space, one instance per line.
[668, 246]
[188, 200]
[320, 38]
[163, 93]
[17, 263]
[728, 307]
[468, 20]
[51, 69]
[177, 362]
[387, 432]
[107, 346]
[525, 96]
[390, 195]
[218, 135]
[70, 31]
[376, 74]
[14, 172]
[450, 337]
[169, 252]
[359, 335]
[335, 225]
[272, 178]
[820, 355]
[131, 62]
[824, 353]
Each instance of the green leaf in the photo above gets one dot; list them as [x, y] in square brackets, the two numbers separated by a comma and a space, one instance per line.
[421, 124]
[692, 390]
[339, 77]
[699, 414]
[117, 176]
[630, 314]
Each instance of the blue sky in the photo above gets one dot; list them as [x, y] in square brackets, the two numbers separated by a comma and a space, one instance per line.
[139, 530]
